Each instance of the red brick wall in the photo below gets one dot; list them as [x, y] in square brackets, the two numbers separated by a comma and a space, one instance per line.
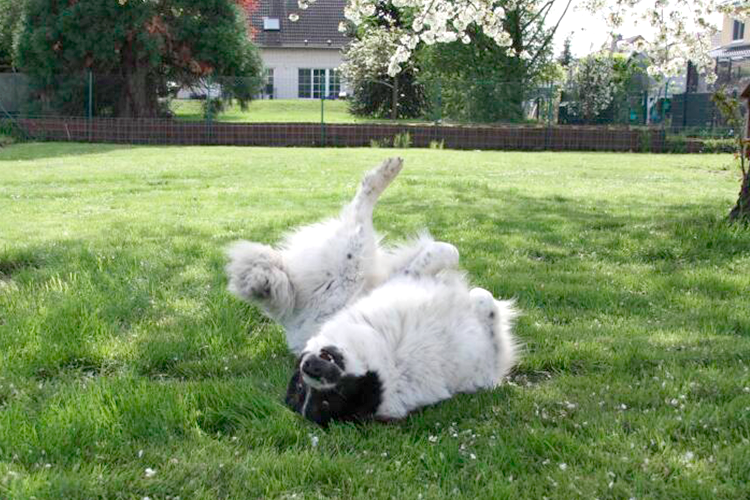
[508, 137]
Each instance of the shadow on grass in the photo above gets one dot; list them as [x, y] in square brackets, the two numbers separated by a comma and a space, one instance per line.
[155, 302]
[38, 150]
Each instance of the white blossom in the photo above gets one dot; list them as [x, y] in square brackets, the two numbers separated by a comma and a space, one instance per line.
[682, 29]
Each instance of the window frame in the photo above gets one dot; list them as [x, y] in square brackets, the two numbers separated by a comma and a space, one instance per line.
[738, 30]
[318, 83]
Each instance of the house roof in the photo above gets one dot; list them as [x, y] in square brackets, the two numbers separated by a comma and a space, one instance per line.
[731, 52]
[318, 25]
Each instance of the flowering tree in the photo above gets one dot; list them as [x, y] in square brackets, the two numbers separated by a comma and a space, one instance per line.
[593, 80]
[376, 93]
[442, 21]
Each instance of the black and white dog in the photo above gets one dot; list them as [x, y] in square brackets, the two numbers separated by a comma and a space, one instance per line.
[321, 268]
[410, 343]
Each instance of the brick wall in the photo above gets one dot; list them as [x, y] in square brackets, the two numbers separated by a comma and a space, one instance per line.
[166, 131]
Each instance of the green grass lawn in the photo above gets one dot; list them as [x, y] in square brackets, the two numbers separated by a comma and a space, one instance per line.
[278, 110]
[127, 371]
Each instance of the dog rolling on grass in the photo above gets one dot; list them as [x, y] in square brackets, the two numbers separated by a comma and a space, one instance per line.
[410, 343]
[321, 268]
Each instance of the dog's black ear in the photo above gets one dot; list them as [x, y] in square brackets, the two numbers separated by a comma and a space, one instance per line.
[295, 392]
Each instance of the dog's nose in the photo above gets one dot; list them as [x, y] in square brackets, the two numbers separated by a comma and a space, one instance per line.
[313, 367]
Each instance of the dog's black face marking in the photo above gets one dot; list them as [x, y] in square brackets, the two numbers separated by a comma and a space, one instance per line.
[353, 398]
[324, 368]
[333, 354]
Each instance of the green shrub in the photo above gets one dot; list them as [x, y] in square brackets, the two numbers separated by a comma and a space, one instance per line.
[683, 144]
[644, 141]
[402, 140]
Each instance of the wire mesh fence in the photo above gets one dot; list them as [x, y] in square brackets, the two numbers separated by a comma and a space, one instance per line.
[318, 108]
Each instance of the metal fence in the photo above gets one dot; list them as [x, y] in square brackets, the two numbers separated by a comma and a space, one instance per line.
[318, 108]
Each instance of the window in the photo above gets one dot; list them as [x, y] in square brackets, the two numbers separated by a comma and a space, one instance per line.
[304, 90]
[334, 83]
[271, 24]
[738, 32]
[318, 83]
[268, 89]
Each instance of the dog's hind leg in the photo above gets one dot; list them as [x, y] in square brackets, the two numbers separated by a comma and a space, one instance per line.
[432, 259]
[256, 274]
[484, 308]
[421, 257]
[497, 316]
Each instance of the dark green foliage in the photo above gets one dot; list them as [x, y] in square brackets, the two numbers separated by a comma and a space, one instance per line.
[478, 82]
[11, 15]
[374, 98]
[566, 56]
[137, 50]
[482, 82]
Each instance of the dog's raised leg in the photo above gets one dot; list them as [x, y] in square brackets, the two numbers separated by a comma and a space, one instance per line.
[372, 186]
[256, 274]
[360, 245]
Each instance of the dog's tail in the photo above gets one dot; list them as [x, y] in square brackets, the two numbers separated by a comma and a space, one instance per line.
[506, 343]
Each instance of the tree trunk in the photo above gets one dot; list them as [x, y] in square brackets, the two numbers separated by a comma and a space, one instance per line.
[138, 96]
[741, 210]
[394, 99]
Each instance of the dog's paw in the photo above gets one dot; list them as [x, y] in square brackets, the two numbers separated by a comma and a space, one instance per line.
[434, 258]
[375, 181]
[254, 282]
[254, 271]
[484, 304]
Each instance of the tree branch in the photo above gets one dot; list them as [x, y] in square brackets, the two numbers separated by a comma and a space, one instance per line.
[546, 7]
[551, 34]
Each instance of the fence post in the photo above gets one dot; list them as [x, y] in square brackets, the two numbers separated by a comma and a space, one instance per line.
[322, 121]
[209, 108]
[90, 113]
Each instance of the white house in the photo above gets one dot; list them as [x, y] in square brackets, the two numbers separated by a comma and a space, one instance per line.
[301, 57]
[733, 54]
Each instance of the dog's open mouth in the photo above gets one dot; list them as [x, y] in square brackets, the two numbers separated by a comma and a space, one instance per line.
[318, 384]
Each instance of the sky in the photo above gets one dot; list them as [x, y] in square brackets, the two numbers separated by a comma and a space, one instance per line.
[589, 31]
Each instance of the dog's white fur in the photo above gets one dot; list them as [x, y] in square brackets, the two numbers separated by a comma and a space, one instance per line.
[427, 339]
[321, 268]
